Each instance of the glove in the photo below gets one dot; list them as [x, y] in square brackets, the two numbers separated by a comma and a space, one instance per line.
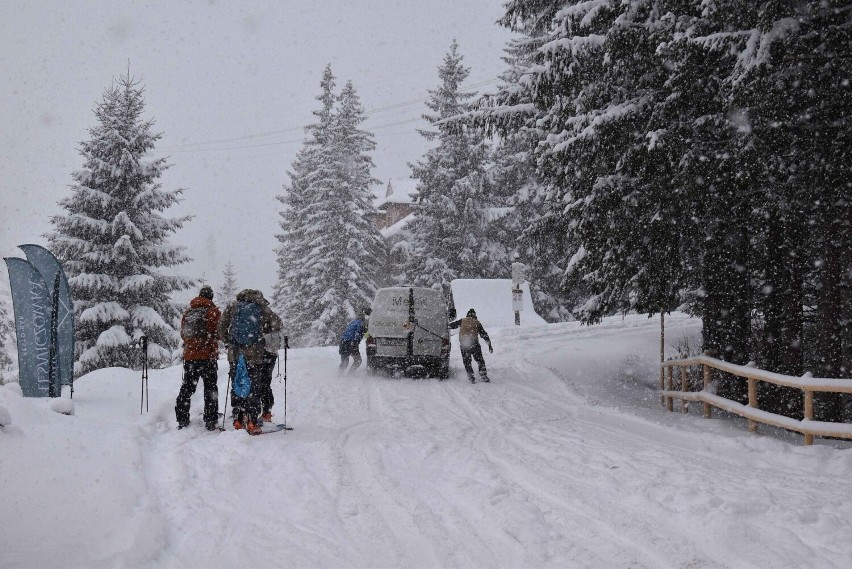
[490, 349]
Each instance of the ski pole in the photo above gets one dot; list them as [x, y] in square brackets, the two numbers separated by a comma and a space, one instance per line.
[286, 347]
[144, 397]
[227, 392]
[145, 370]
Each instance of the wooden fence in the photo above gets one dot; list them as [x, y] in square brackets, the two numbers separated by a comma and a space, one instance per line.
[809, 385]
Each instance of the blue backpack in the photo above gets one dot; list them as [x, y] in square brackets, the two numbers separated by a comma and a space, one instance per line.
[245, 327]
[354, 331]
[242, 380]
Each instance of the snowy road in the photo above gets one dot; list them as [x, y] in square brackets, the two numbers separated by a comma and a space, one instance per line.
[565, 460]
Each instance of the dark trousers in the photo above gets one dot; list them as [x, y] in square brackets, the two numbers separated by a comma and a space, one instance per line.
[247, 409]
[204, 370]
[267, 400]
[475, 352]
[349, 349]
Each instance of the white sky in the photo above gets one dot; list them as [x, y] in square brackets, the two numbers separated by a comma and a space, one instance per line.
[231, 86]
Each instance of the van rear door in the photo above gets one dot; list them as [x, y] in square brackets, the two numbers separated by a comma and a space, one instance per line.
[430, 311]
[387, 322]
[390, 317]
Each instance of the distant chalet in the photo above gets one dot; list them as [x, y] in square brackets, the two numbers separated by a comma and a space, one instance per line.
[396, 209]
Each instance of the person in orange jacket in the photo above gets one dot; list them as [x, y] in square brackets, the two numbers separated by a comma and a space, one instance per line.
[198, 329]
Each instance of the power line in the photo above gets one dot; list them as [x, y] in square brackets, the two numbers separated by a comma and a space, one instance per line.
[196, 146]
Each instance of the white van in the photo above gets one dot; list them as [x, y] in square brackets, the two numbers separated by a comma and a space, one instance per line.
[409, 332]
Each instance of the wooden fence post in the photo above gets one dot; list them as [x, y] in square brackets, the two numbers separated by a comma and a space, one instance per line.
[809, 414]
[707, 407]
[669, 404]
[684, 387]
[752, 402]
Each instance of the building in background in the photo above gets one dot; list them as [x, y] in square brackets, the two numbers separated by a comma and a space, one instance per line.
[394, 210]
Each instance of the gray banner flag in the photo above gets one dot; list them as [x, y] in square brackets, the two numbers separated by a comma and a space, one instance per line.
[46, 264]
[31, 301]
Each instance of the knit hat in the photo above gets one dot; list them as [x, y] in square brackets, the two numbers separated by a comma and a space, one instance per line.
[206, 292]
[471, 313]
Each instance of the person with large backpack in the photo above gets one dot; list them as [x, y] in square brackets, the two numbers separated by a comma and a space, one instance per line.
[241, 329]
[349, 341]
[198, 328]
[271, 345]
[470, 330]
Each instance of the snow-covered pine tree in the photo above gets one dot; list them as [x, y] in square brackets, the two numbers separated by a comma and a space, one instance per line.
[527, 229]
[448, 238]
[694, 157]
[228, 290]
[326, 222]
[681, 142]
[792, 78]
[113, 239]
[636, 151]
[291, 298]
[347, 249]
[612, 176]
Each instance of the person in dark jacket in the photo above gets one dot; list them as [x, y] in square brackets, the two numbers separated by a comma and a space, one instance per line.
[239, 320]
[200, 358]
[349, 341]
[271, 345]
[470, 330]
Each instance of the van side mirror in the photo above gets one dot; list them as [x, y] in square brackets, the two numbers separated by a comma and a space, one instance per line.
[452, 314]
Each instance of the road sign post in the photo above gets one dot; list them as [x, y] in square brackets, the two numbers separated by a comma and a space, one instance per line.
[517, 292]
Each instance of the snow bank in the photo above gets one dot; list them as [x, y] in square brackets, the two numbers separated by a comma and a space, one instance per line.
[492, 300]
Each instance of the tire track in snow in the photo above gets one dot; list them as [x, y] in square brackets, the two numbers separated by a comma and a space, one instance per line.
[526, 484]
[418, 517]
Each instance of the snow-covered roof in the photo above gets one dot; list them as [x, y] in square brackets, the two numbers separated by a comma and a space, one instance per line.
[392, 230]
[397, 190]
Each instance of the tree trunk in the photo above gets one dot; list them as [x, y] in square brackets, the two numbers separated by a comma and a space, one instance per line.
[828, 406]
[783, 324]
[727, 301]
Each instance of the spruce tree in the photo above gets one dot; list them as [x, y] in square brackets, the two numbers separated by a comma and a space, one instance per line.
[347, 248]
[529, 232]
[113, 239]
[633, 146]
[695, 151]
[291, 296]
[327, 219]
[585, 99]
[448, 238]
[228, 290]
[791, 79]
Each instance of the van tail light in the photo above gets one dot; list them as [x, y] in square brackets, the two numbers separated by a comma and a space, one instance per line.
[371, 342]
[445, 346]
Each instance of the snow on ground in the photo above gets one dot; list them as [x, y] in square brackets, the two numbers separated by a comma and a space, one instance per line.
[566, 459]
